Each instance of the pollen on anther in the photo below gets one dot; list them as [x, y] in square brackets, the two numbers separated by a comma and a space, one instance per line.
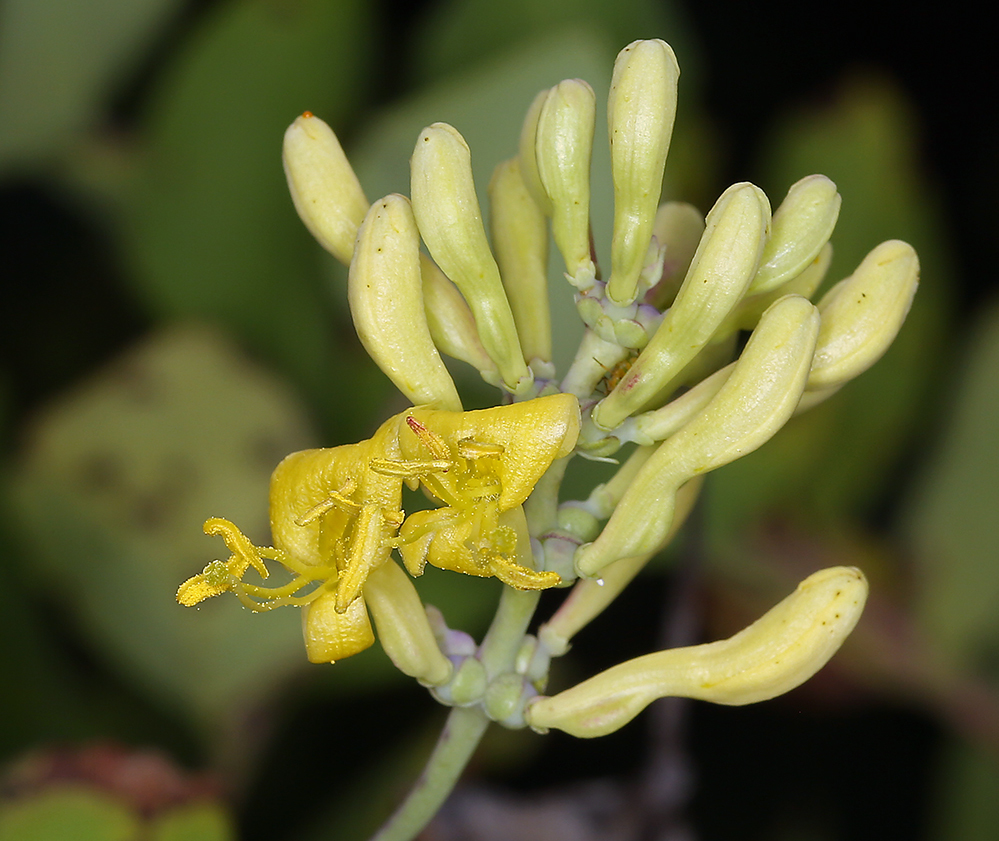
[307, 115]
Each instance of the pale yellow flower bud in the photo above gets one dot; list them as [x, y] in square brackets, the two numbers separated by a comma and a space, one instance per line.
[779, 651]
[326, 192]
[385, 291]
[451, 323]
[755, 401]
[564, 145]
[520, 239]
[640, 112]
[862, 315]
[331, 635]
[527, 154]
[403, 628]
[725, 262]
[801, 226]
[447, 212]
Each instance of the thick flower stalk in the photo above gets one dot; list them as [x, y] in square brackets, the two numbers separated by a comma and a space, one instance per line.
[657, 367]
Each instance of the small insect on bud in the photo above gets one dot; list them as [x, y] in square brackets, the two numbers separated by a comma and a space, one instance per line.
[326, 192]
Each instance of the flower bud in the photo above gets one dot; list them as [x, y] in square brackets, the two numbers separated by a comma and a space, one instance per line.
[520, 239]
[640, 112]
[801, 226]
[451, 323]
[403, 628]
[331, 635]
[678, 227]
[326, 192]
[385, 291]
[447, 212]
[779, 651]
[756, 400]
[527, 154]
[564, 145]
[723, 266]
[862, 315]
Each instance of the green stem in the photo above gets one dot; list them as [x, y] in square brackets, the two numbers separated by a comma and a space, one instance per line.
[457, 743]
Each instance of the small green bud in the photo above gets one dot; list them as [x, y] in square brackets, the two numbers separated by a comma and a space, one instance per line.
[520, 239]
[447, 212]
[725, 262]
[505, 699]
[755, 401]
[781, 650]
[323, 186]
[564, 145]
[801, 226]
[403, 628]
[640, 112]
[862, 315]
[469, 683]
[385, 291]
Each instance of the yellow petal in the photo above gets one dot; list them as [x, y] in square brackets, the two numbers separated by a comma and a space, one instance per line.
[331, 636]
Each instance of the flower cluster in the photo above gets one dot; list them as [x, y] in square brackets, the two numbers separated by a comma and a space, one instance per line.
[655, 369]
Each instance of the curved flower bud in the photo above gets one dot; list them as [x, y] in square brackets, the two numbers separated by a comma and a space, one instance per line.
[640, 113]
[451, 323]
[723, 266]
[520, 239]
[862, 315]
[801, 226]
[564, 145]
[447, 212]
[403, 628]
[326, 192]
[755, 401]
[527, 154]
[779, 651]
[385, 291]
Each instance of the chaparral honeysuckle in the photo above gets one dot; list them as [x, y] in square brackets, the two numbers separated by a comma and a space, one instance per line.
[655, 368]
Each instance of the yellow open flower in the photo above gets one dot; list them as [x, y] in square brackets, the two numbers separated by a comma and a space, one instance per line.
[336, 514]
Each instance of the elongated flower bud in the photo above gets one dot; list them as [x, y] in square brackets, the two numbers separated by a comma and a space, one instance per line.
[755, 401]
[779, 651]
[725, 262]
[451, 323]
[403, 628]
[640, 112]
[862, 315]
[801, 226]
[527, 154]
[520, 239]
[447, 212]
[385, 291]
[326, 192]
[564, 145]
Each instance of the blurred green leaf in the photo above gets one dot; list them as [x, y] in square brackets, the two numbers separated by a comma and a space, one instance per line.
[966, 806]
[458, 35]
[194, 822]
[950, 520]
[838, 459]
[61, 61]
[209, 229]
[67, 814]
[111, 493]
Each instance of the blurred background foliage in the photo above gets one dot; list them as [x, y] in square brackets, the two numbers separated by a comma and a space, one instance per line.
[172, 332]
